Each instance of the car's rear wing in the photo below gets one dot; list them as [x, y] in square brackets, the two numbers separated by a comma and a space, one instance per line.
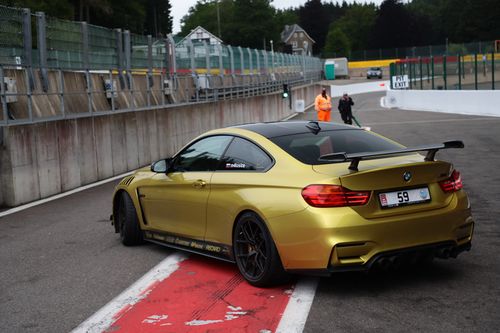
[356, 157]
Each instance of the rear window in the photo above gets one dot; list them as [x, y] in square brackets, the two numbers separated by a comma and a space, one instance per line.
[375, 68]
[307, 147]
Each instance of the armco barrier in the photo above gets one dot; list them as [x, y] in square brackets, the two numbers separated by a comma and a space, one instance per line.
[473, 102]
[42, 159]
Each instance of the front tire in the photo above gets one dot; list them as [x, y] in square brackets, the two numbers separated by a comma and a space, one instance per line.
[130, 232]
[255, 253]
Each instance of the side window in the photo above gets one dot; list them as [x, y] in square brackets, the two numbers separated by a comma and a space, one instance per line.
[244, 155]
[203, 155]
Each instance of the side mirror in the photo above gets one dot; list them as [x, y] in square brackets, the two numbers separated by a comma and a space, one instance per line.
[161, 166]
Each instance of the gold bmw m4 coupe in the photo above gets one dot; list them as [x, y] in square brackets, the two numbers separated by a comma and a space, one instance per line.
[299, 197]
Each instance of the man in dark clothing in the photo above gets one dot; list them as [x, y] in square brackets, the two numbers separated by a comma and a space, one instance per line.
[345, 104]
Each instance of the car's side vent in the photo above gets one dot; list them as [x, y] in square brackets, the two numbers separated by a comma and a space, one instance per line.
[127, 180]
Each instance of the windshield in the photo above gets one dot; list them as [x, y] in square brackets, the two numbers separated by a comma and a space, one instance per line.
[307, 147]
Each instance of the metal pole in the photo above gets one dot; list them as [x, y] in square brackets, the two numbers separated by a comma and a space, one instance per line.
[427, 65]
[28, 56]
[5, 108]
[258, 61]
[112, 90]
[127, 49]
[432, 71]
[421, 77]
[150, 81]
[444, 72]
[191, 56]
[27, 37]
[61, 94]
[410, 70]
[89, 89]
[30, 97]
[172, 66]
[42, 49]
[207, 57]
[119, 49]
[392, 68]
[475, 71]
[242, 63]
[459, 73]
[231, 55]
[463, 66]
[221, 65]
[193, 67]
[250, 60]
[85, 43]
[493, 70]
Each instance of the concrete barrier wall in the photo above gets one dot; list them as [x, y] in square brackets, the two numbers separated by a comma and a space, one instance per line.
[474, 102]
[44, 159]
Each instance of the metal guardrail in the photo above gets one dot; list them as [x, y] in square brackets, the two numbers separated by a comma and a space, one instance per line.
[151, 72]
[77, 94]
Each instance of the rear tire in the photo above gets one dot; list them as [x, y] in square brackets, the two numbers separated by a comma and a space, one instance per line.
[255, 253]
[130, 232]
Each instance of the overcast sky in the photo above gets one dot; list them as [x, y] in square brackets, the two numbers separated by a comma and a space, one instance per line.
[181, 7]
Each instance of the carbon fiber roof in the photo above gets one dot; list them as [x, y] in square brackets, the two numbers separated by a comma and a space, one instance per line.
[281, 128]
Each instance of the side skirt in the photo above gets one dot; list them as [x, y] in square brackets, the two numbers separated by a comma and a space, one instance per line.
[208, 249]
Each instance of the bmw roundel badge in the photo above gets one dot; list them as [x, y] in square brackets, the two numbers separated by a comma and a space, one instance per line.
[407, 176]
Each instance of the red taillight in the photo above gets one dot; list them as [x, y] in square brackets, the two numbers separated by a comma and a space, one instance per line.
[452, 184]
[334, 196]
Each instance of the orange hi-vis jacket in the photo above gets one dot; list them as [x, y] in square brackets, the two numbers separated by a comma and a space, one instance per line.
[324, 107]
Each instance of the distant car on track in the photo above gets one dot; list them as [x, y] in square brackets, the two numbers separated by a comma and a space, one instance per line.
[300, 197]
[374, 72]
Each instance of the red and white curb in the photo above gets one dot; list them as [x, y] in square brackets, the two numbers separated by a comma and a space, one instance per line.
[195, 294]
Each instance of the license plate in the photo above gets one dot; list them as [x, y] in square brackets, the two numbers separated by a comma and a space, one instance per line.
[404, 197]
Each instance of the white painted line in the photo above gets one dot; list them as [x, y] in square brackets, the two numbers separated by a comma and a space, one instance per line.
[102, 319]
[296, 312]
[61, 195]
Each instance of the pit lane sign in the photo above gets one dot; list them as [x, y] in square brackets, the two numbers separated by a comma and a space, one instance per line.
[400, 82]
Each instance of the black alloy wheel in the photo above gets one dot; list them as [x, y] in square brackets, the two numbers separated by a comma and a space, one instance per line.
[255, 252]
[130, 232]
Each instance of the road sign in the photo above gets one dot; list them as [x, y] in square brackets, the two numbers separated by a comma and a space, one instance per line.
[400, 82]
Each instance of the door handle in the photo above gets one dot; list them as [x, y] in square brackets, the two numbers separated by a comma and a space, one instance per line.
[200, 183]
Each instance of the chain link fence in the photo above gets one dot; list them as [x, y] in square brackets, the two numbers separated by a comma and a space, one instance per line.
[458, 72]
[41, 41]
[58, 69]
[450, 49]
[11, 35]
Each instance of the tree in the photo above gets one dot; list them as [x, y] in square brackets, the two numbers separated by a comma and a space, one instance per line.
[392, 26]
[337, 43]
[357, 24]
[55, 8]
[158, 18]
[243, 22]
[315, 20]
